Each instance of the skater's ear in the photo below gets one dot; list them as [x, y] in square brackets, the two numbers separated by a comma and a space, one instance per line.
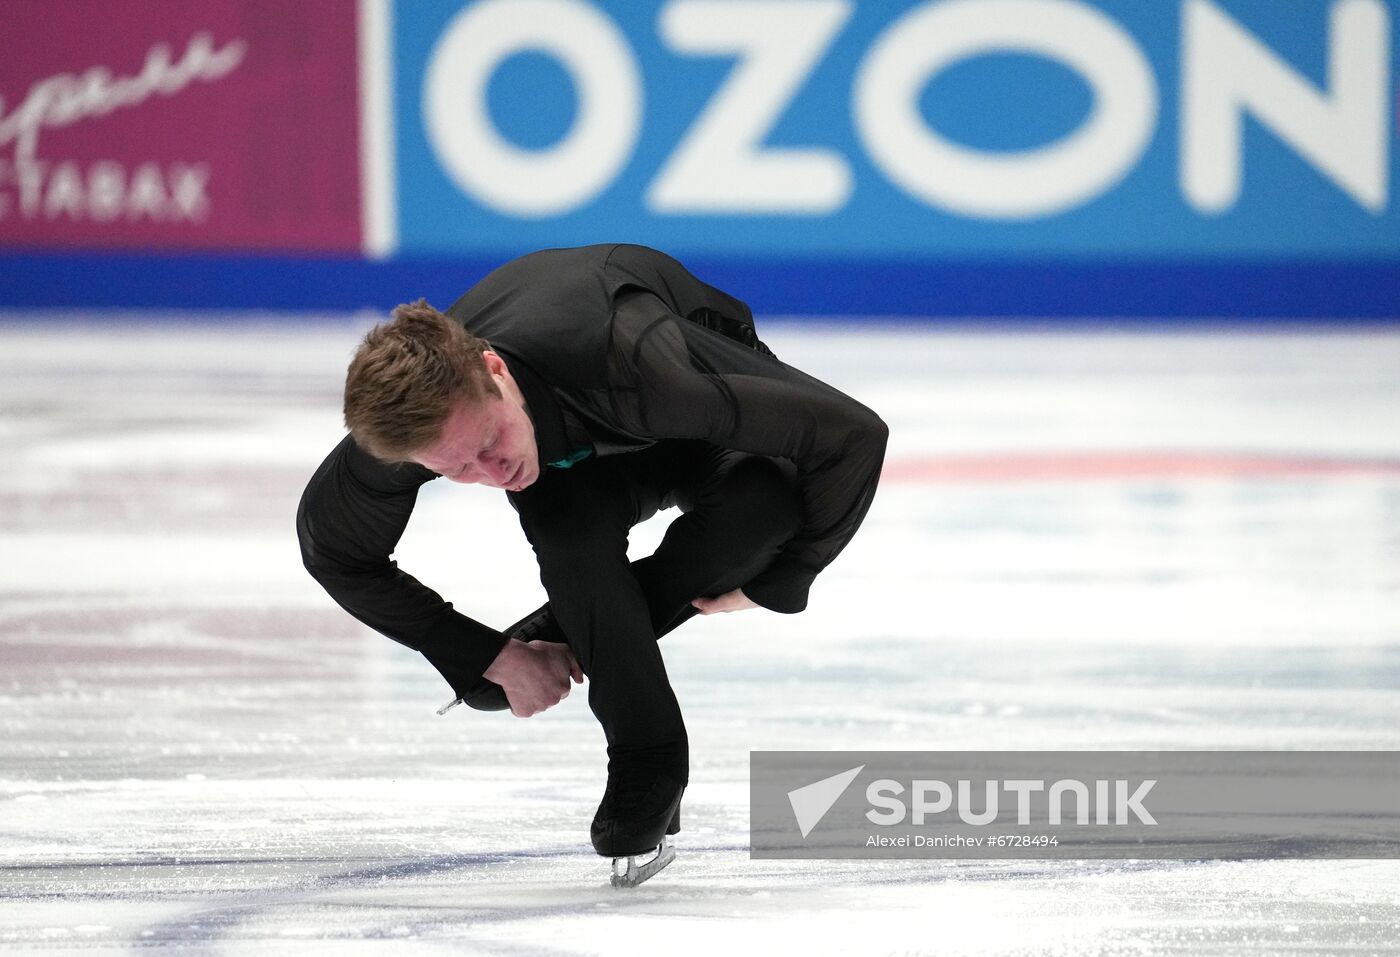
[495, 365]
[497, 369]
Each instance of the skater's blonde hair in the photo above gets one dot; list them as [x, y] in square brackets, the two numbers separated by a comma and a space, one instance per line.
[407, 376]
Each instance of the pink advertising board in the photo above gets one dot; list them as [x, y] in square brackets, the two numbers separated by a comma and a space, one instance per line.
[217, 125]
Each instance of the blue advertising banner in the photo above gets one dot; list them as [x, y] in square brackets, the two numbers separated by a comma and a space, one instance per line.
[900, 131]
[1166, 160]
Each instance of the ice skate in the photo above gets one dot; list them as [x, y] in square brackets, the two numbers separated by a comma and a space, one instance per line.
[634, 820]
[633, 873]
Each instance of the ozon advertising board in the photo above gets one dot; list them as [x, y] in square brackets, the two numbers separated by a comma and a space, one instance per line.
[897, 130]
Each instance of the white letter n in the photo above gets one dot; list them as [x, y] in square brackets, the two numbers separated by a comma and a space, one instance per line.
[1341, 131]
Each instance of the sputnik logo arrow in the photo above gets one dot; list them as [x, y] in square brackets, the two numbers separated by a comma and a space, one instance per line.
[810, 803]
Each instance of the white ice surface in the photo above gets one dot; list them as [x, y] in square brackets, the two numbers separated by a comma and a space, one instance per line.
[198, 751]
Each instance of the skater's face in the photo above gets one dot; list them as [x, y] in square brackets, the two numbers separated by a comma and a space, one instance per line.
[489, 442]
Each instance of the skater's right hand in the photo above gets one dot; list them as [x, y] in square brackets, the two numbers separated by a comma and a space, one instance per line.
[534, 674]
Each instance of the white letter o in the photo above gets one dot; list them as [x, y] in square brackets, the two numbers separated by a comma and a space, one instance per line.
[1020, 185]
[566, 175]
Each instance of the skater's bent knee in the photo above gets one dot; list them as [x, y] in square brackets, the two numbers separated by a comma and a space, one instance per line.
[767, 498]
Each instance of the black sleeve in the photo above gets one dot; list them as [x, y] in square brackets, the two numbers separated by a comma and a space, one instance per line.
[350, 520]
[675, 379]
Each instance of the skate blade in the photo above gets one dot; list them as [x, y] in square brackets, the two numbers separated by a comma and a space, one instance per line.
[635, 873]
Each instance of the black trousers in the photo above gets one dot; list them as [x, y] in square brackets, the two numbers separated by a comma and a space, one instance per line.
[738, 511]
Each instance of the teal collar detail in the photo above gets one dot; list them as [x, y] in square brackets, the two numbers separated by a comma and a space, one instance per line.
[572, 459]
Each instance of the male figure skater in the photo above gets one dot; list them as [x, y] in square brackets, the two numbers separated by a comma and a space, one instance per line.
[595, 386]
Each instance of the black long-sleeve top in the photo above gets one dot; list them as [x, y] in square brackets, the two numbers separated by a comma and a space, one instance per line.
[600, 381]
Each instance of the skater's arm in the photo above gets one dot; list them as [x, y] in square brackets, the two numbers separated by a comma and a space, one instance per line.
[352, 514]
[684, 381]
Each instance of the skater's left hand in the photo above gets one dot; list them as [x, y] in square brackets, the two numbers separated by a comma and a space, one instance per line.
[734, 600]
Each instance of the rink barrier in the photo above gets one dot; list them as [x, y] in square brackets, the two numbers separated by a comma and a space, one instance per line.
[1339, 293]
